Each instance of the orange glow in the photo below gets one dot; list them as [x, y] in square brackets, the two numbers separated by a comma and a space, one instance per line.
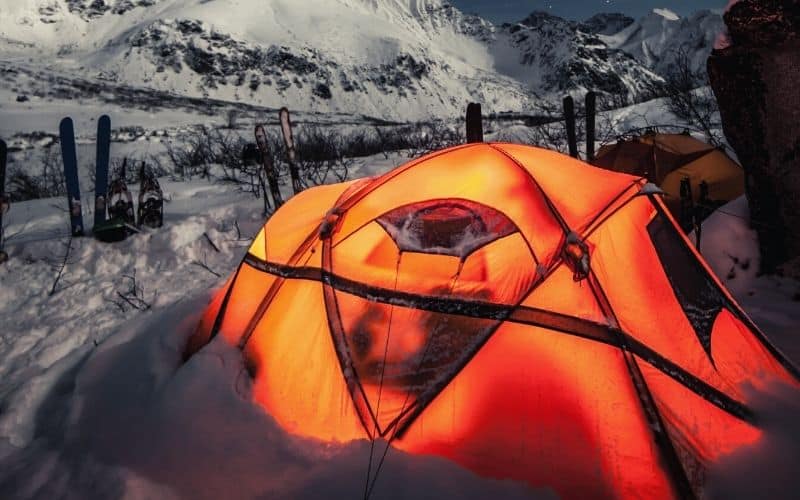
[578, 190]
[374, 250]
[741, 359]
[559, 293]
[478, 173]
[373, 336]
[425, 273]
[297, 375]
[708, 430]
[547, 409]
[504, 270]
[299, 218]
[640, 293]
[202, 333]
[248, 291]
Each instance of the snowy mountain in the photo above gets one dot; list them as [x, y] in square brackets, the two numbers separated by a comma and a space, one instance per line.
[606, 23]
[399, 59]
[557, 56]
[656, 39]
[392, 59]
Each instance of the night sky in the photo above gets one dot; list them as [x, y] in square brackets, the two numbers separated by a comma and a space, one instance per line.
[516, 10]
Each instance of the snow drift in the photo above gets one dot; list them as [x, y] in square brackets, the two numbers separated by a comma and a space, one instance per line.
[130, 420]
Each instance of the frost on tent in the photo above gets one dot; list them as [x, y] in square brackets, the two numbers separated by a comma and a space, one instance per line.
[405, 346]
[454, 228]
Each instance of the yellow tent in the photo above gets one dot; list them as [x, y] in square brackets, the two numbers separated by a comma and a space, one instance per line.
[666, 159]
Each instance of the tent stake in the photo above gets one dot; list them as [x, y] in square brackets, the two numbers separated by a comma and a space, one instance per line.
[474, 123]
[569, 116]
[288, 140]
[591, 107]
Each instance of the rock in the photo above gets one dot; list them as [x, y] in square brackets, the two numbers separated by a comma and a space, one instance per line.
[791, 268]
[755, 80]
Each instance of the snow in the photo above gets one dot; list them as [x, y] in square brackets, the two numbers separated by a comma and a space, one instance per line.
[132, 416]
[326, 41]
[650, 188]
[656, 39]
[401, 60]
[768, 468]
[667, 14]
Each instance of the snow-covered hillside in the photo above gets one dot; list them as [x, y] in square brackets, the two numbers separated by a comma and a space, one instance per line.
[659, 38]
[399, 59]
[557, 57]
[391, 59]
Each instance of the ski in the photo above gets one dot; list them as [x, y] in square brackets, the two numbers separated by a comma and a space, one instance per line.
[288, 140]
[151, 200]
[591, 107]
[269, 168]
[70, 157]
[4, 202]
[569, 117]
[101, 168]
[474, 123]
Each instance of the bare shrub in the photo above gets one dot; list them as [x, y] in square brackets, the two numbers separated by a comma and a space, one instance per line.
[25, 181]
[690, 98]
[192, 155]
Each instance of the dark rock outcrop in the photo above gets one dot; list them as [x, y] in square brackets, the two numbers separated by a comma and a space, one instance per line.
[755, 80]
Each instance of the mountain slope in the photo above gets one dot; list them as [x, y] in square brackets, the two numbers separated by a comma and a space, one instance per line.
[392, 59]
[657, 39]
[557, 57]
[403, 59]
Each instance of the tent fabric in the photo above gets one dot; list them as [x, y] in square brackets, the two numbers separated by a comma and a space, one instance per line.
[512, 309]
[666, 159]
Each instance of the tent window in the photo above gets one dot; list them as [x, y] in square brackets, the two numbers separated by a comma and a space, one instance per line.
[447, 227]
[698, 295]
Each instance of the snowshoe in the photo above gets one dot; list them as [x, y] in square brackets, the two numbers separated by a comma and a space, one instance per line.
[151, 202]
[120, 202]
[121, 219]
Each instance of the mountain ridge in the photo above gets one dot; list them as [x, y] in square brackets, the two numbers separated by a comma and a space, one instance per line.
[394, 59]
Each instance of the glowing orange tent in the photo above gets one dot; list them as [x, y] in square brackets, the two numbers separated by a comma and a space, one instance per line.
[510, 308]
